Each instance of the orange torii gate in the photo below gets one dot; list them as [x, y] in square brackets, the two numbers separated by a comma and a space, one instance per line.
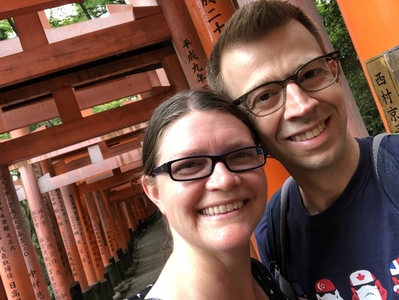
[377, 44]
[86, 171]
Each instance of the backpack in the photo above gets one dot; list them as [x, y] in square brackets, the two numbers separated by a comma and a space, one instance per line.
[386, 168]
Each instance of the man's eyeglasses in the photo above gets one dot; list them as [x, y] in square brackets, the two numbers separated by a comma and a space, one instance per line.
[201, 166]
[315, 75]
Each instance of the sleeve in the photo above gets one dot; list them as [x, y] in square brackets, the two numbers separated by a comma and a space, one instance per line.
[263, 234]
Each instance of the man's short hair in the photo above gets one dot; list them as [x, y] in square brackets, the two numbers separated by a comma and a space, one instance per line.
[253, 22]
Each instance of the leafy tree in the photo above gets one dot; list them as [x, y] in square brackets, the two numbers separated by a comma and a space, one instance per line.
[6, 30]
[89, 9]
[335, 26]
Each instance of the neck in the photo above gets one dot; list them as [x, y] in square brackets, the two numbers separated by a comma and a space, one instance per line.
[206, 276]
[320, 188]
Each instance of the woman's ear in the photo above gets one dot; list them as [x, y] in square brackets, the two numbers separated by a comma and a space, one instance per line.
[151, 190]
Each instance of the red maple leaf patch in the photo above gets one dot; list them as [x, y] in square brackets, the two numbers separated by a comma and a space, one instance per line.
[360, 276]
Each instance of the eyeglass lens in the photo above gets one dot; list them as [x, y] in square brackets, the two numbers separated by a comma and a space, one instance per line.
[202, 166]
[313, 76]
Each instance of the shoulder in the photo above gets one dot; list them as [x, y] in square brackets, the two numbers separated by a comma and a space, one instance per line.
[390, 142]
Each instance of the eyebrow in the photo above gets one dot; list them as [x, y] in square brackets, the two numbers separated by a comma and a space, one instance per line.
[201, 151]
[300, 65]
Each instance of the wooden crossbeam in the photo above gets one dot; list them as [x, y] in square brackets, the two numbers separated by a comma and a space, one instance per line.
[11, 9]
[80, 130]
[84, 49]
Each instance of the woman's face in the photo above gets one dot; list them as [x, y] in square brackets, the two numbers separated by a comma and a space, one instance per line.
[187, 204]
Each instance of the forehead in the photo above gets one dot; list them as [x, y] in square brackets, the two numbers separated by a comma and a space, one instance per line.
[273, 57]
[203, 132]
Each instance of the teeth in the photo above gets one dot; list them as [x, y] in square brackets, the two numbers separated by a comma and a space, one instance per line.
[222, 209]
[310, 134]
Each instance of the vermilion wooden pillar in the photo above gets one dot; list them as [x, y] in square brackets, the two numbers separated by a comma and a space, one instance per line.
[58, 278]
[128, 213]
[209, 18]
[121, 228]
[185, 40]
[373, 27]
[51, 218]
[67, 238]
[13, 271]
[174, 72]
[63, 196]
[132, 206]
[111, 214]
[78, 232]
[88, 231]
[106, 222]
[29, 252]
[138, 208]
[97, 228]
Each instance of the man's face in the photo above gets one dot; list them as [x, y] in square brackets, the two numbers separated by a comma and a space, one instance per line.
[308, 131]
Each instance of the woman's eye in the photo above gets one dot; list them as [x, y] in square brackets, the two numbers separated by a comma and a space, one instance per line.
[188, 166]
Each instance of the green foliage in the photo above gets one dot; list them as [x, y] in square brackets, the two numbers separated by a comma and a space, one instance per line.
[107, 106]
[339, 36]
[5, 136]
[47, 124]
[6, 31]
[78, 12]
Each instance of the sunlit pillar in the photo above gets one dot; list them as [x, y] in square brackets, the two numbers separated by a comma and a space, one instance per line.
[56, 271]
[13, 270]
[373, 27]
[185, 40]
[52, 221]
[209, 18]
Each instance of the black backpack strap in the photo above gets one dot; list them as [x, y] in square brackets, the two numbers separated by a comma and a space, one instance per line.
[386, 167]
[266, 280]
[273, 234]
[276, 231]
[376, 146]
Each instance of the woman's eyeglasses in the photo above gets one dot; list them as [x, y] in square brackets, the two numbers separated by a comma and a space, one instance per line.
[201, 166]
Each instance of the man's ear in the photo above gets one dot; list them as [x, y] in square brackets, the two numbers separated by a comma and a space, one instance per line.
[151, 190]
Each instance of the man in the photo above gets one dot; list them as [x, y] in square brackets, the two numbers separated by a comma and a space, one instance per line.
[271, 59]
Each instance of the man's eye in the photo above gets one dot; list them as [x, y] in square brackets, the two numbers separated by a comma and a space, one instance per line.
[264, 96]
[310, 74]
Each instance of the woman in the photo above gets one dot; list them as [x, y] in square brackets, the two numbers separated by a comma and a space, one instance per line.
[202, 167]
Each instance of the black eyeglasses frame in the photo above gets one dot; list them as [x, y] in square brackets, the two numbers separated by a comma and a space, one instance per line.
[166, 167]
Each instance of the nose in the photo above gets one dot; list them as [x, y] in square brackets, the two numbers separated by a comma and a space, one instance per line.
[222, 178]
[298, 102]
